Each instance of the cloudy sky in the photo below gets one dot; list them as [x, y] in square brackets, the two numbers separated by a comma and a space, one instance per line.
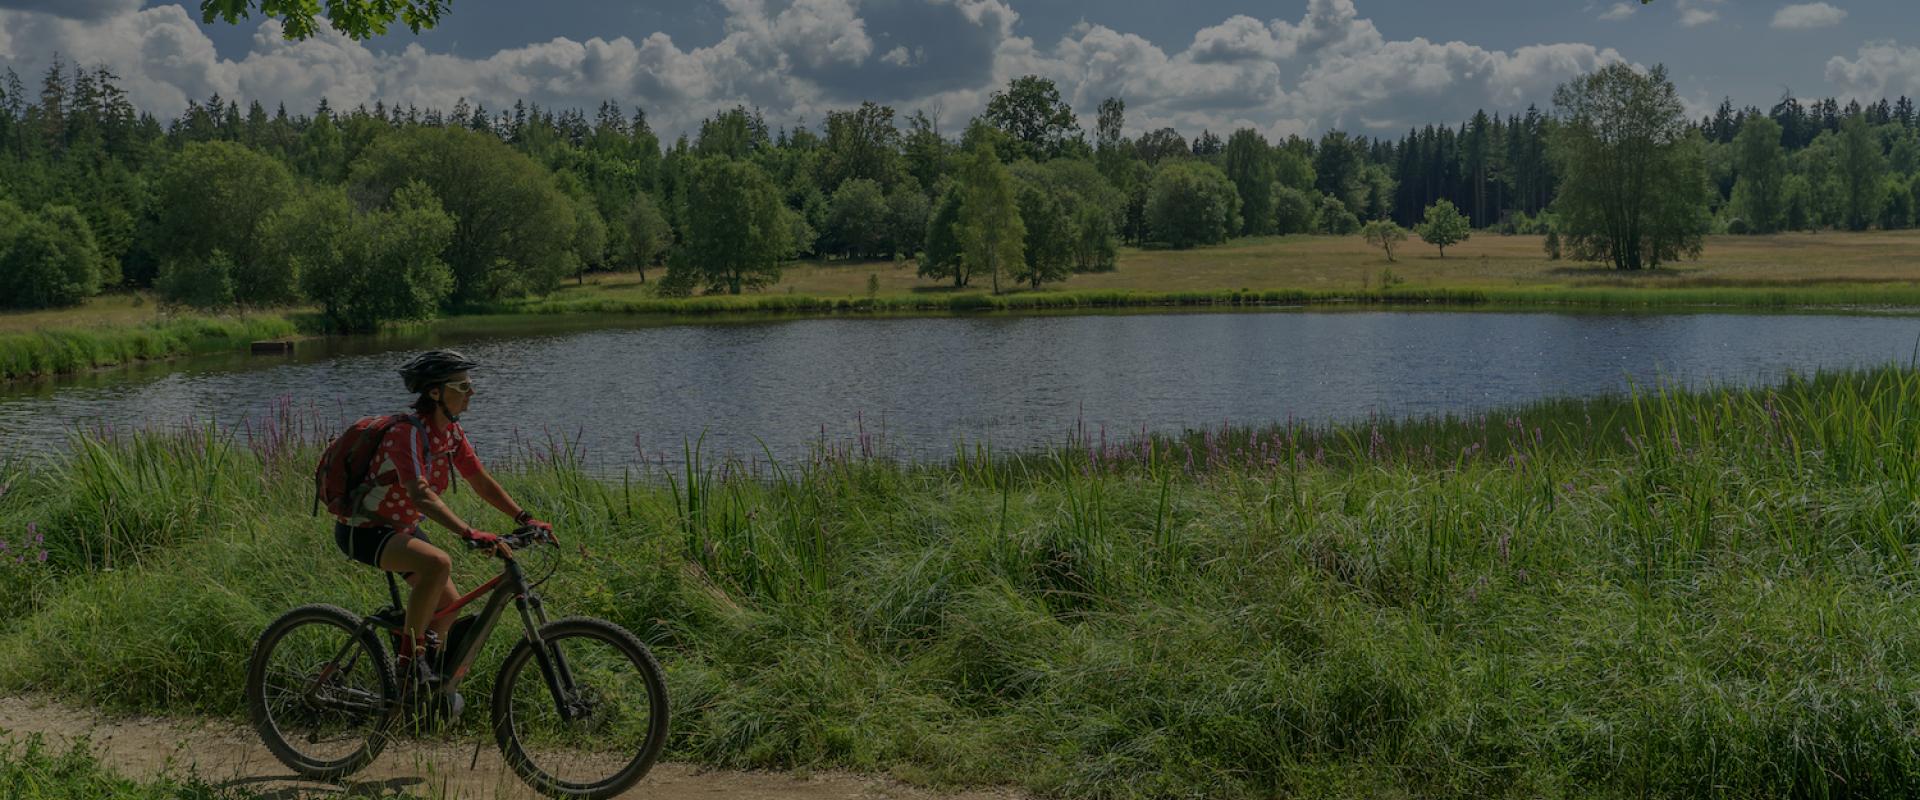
[1285, 66]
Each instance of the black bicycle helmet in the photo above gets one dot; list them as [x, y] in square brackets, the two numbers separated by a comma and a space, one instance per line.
[423, 371]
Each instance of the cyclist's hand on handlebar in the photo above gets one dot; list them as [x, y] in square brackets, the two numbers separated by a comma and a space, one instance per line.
[480, 540]
[540, 528]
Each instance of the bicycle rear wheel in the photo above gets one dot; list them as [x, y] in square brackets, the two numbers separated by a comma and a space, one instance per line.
[614, 721]
[319, 690]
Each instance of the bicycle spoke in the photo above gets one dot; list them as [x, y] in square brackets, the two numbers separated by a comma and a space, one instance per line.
[321, 693]
[595, 734]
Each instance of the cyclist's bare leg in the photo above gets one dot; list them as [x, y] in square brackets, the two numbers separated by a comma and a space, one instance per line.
[444, 598]
[432, 572]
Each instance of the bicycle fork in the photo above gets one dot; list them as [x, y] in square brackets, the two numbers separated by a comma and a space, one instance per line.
[553, 663]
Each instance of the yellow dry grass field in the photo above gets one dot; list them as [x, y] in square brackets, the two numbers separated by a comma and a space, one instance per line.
[1485, 261]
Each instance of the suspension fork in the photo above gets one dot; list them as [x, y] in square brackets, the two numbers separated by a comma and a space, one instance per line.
[553, 665]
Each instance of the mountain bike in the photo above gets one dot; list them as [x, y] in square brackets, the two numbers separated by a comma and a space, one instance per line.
[579, 708]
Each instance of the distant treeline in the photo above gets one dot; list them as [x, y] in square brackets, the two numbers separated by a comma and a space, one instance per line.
[387, 212]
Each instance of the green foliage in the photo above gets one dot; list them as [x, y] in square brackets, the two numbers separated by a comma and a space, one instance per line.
[1048, 218]
[1249, 164]
[513, 228]
[944, 257]
[365, 269]
[589, 237]
[1191, 203]
[47, 259]
[1759, 196]
[204, 283]
[737, 230]
[988, 226]
[1080, 210]
[1340, 170]
[1634, 189]
[213, 196]
[1384, 234]
[1897, 206]
[860, 144]
[1095, 247]
[925, 153]
[1443, 225]
[857, 220]
[1798, 203]
[358, 19]
[907, 212]
[1861, 168]
[735, 133]
[1553, 245]
[648, 235]
[1293, 211]
[1332, 217]
[1038, 124]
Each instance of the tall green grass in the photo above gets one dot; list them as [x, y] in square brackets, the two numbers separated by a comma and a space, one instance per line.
[1674, 593]
[53, 352]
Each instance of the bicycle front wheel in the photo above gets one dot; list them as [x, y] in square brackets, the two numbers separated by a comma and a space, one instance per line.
[318, 690]
[587, 719]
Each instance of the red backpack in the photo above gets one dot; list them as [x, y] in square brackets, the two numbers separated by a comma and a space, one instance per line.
[340, 482]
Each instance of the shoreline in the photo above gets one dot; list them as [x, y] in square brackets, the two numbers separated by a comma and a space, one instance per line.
[75, 350]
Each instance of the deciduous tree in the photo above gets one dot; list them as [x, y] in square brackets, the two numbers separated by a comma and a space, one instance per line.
[1633, 189]
[1443, 225]
[1384, 234]
[513, 228]
[1191, 203]
[991, 235]
[1760, 168]
[737, 230]
[1033, 116]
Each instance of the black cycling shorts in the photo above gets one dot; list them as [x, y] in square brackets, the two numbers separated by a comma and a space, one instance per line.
[366, 544]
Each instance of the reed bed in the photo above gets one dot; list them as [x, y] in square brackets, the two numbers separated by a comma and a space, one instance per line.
[1671, 593]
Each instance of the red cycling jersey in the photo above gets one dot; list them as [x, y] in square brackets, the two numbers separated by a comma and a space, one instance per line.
[406, 453]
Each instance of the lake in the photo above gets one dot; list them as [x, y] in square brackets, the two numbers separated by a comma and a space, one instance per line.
[627, 389]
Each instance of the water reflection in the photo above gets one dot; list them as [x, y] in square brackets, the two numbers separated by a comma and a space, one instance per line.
[1013, 380]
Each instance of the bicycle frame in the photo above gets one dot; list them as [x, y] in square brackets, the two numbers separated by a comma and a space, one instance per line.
[510, 586]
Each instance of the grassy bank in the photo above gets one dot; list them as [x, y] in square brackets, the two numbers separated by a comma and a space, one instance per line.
[1829, 270]
[66, 350]
[1675, 594]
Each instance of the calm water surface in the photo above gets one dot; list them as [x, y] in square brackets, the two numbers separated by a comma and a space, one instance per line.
[923, 384]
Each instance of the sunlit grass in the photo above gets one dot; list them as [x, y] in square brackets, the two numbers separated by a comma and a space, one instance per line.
[1671, 594]
[67, 350]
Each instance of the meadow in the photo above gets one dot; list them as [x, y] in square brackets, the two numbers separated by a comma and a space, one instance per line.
[1785, 271]
[1666, 594]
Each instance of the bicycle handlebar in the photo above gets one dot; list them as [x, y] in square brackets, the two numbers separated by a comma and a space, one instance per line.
[519, 539]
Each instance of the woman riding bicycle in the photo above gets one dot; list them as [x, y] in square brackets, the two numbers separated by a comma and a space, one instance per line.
[409, 470]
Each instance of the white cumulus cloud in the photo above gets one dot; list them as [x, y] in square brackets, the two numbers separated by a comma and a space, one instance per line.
[1878, 70]
[797, 59]
[1694, 13]
[1619, 11]
[1808, 15]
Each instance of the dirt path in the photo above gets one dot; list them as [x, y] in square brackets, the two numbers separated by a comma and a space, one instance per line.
[144, 747]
